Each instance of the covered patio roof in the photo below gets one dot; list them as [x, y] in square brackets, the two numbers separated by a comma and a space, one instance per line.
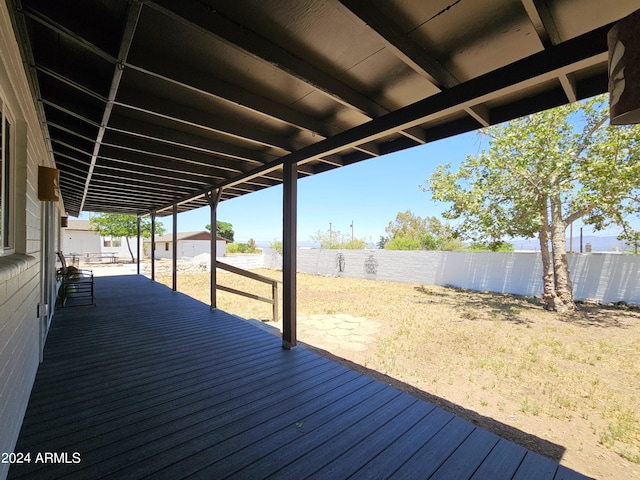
[150, 103]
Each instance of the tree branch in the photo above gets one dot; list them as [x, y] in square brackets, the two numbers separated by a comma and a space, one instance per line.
[578, 214]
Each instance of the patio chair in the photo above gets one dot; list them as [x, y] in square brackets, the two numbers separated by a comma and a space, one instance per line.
[77, 285]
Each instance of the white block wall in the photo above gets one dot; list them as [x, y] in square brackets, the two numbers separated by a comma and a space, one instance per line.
[601, 277]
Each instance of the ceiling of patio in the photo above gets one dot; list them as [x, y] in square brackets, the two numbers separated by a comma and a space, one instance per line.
[150, 103]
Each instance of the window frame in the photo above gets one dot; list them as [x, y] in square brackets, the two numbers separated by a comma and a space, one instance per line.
[7, 180]
[109, 241]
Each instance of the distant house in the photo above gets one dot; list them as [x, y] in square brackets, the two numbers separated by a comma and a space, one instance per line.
[78, 238]
[190, 244]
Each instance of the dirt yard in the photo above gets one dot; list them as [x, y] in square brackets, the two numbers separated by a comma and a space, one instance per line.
[567, 387]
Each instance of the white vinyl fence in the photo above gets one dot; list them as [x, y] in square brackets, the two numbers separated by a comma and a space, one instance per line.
[601, 277]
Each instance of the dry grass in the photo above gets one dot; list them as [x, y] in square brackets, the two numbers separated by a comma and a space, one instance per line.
[568, 380]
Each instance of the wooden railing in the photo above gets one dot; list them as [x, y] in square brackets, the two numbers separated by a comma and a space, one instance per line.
[254, 276]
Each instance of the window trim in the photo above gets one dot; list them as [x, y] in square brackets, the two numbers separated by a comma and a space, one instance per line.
[109, 241]
[8, 182]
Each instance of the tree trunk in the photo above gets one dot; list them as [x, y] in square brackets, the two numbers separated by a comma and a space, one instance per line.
[130, 251]
[548, 283]
[563, 287]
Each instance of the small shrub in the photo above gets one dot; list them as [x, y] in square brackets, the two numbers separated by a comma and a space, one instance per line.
[240, 248]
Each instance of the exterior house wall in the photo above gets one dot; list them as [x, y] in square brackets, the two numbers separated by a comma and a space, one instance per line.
[21, 272]
[189, 248]
[79, 239]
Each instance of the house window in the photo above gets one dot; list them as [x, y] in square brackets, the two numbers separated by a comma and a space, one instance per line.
[109, 241]
[6, 181]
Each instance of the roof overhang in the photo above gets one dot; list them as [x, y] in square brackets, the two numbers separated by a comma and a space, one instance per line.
[147, 104]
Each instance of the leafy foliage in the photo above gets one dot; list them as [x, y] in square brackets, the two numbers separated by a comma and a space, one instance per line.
[335, 239]
[497, 246]
[249, 247]
[223, 229]
[540, 173]
[121, 225]
[411, 232]
[277, 244]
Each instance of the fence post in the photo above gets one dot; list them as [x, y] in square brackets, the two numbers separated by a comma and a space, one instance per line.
[274, 291]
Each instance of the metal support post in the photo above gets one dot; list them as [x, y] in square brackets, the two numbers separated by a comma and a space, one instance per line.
[213, 281]
[138, 244]
[174, 251]
[289, 261]
[152, 253]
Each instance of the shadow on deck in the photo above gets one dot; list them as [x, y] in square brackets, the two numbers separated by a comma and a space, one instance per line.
[152, 383]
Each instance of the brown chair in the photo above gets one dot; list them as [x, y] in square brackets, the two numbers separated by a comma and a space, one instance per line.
[77, 285]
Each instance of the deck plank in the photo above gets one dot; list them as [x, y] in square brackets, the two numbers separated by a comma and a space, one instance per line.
[398, 452]
[365, 448]
[502, 462]
[150, 383]
[534, 466]
[465, 460]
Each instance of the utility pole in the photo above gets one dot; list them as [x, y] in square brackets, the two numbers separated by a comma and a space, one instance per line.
[571, 238]
[351, 230]
[580, 239]
[330, 235]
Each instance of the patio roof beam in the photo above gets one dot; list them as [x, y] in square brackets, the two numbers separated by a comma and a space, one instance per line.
[150, 104]
[585, 50]
[542, 20]
[411, 53]
[103, 172]
[110, 173]
[151, 161]
[70, 110]
[133, 15]
[160, 150]
[63, 78]
[232, 94]
[65, 32]
[142, 188]
[126, 199]
[146, 130]
[112, 167]
[67, 128]
[216, 25]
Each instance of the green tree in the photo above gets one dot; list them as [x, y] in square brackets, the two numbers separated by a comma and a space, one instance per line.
[120, 225]
[497, 246]
[335, 239]
[541, 173]
[223, 229]
[241, 248]
[403, 243]
[411, 232]
[277, 245]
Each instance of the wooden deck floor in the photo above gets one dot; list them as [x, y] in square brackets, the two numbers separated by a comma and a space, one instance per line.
[150, 383]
